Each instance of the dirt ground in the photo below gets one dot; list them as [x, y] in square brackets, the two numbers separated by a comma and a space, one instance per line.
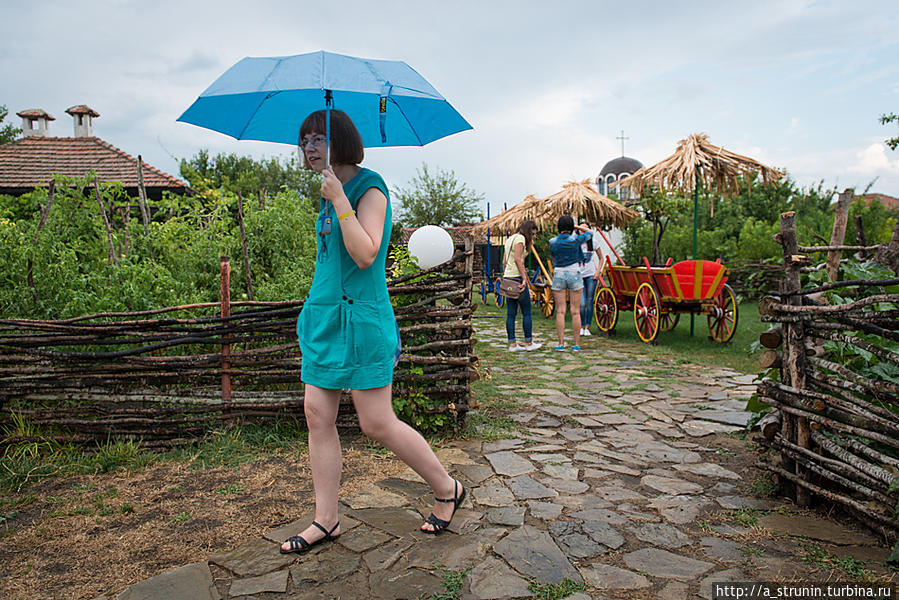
[86, 535]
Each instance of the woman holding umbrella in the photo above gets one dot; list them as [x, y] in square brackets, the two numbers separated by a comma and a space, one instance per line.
[348, 333]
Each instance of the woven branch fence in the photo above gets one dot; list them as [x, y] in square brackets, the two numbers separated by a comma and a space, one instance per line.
[169, 375]
[835, 426]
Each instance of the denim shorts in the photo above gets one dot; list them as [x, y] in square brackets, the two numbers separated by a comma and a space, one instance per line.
[567, 280]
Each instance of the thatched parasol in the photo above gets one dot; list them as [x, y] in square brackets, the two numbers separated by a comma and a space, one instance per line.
[576, 198]
[697, 159]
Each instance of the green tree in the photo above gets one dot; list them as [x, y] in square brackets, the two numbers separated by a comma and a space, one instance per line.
[659, 208]
[438, 199]
[893, 142]
[8, 132]
[230, 172]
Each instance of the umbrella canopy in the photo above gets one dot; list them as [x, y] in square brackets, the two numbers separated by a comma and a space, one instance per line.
[267, 99]
[576, 198]
[697, 159]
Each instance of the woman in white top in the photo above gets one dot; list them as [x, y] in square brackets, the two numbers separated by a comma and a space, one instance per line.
[517, 247]
[590, 274]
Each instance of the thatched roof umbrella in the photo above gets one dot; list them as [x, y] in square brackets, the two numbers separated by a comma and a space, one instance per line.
[698, 160]
[576, 198]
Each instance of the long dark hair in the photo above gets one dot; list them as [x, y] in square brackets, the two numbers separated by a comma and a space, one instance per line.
[528, 229]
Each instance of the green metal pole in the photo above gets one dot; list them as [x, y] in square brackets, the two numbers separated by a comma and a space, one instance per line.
[695, 228]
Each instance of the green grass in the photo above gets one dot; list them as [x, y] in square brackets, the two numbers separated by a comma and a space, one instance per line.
[674, 346]
[748, 517]
[817, 555]
[232, 447]
[452, 582]
[557, 591]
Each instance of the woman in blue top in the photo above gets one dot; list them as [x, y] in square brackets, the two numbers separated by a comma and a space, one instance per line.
[565, 250]
[348, 333]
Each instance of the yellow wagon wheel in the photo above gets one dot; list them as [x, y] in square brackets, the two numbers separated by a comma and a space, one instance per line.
[549, 304]
[646, 312]
[723, 316]
[605, 308]
[668, 320]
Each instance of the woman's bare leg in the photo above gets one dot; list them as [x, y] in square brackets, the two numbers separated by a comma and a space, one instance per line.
[378, 421]
[325, 458]
[575, 303]
[559, 297]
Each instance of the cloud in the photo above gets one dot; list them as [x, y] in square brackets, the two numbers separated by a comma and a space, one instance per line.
[874, 160]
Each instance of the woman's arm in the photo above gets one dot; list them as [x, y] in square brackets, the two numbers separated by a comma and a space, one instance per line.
[519, 262]
[363, 231]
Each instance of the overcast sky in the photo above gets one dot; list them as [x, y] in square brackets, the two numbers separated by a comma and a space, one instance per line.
[547, 85]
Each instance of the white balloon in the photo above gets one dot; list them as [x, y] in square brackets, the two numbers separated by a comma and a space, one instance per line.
[431, 246]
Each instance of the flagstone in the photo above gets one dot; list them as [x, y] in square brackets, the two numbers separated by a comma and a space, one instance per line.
[545, 510]
[722, 549]
[600, 515]
[707, 470]
[328, 566]
[190, 581]
[272, 582]
[733, 502]
[662, 534]
[669, 485]
[565, 486]
[700, 428]
[395, 521]
[707, 585]
[254, 557]
[493, 493]
[509, 463]
[727, 417]
[525, 488]
[500, 445]
[591, 473]
[415, 583]
[679, 509]
[372, 496]
[506, 515]
[661, 563]
[534, 554]
[554, 457]
[385, 556]
[561, 471]
[607, 577]
[493, 580]
[475, 474]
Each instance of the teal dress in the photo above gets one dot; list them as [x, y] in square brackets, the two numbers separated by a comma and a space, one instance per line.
[347, 331]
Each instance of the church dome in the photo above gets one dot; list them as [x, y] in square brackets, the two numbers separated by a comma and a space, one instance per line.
[622, 164]
[616, 169]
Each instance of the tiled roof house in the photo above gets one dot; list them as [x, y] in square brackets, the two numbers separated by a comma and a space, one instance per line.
[33, 160]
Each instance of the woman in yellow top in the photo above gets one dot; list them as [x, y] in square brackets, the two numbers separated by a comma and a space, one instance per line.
[517, 247]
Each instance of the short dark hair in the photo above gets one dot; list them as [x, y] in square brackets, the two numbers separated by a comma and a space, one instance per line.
[566, 224]
[346, 143]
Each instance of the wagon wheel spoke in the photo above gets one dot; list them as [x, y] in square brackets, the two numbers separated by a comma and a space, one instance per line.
[646, 312]
[723, 316]
[605, 307]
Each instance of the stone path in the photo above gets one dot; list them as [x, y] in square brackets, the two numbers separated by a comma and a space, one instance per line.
[620, 479]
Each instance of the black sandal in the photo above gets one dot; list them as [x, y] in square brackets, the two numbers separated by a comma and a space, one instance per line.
[299, 545]
[439, 524]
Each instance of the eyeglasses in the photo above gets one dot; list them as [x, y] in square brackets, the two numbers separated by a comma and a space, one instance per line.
[315, 140]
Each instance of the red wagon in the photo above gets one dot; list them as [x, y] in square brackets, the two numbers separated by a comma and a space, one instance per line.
[658, 295]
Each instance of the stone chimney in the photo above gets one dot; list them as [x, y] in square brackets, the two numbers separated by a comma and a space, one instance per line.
[35, 121]
[83, 115]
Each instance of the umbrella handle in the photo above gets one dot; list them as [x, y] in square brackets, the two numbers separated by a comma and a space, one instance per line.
[328, 101]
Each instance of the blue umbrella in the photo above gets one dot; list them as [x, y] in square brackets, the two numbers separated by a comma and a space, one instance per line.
[267, 99]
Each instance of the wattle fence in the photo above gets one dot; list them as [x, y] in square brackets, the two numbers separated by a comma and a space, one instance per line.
[167, 376]
[835, 426]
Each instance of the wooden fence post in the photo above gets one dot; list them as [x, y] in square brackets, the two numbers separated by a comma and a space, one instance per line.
[225, 297]
[839, 232]
[793, 429]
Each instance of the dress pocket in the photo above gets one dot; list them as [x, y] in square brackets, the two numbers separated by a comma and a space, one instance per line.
[322, 335]
[374, 332]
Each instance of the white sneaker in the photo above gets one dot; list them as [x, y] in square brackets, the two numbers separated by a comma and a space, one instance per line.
[533, 346]
[586, 331]
[517, 349]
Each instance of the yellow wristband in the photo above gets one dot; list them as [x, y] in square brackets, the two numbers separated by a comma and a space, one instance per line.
[345, 215]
